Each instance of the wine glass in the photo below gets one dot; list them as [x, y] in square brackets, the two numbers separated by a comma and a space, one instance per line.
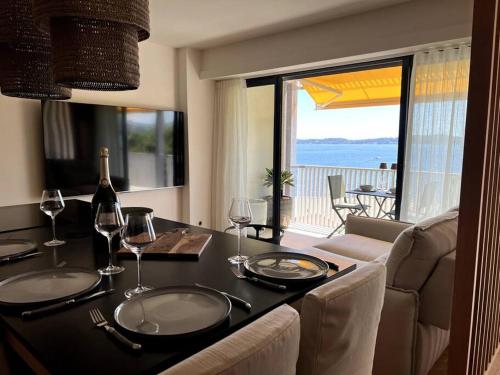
[137, 234]
[51, 204]
[109, 222]
[240, 216]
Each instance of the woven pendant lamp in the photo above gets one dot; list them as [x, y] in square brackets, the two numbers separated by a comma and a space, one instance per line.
[95, 42]
[26, 61]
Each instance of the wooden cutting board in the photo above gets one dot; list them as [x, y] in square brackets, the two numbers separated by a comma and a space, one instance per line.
[175, 244]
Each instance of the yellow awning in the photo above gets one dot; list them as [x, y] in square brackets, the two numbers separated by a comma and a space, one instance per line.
[366, 88]
[378, 87]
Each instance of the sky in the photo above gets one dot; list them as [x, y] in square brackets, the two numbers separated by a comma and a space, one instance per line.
[350, 123]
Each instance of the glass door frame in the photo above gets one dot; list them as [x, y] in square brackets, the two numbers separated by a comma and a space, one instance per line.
[277, 82]
[406, 62]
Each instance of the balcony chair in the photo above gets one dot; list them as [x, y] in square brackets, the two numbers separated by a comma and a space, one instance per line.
[339, 322]
[270, 345]
[336, 186]
[420, 259]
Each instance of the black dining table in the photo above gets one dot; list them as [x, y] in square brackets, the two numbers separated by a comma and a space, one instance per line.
[66, 342]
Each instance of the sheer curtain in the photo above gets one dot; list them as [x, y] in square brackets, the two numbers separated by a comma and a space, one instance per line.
[230, 148]
[435, 135]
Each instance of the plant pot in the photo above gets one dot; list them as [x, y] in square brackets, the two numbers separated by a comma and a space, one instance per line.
[286, 211]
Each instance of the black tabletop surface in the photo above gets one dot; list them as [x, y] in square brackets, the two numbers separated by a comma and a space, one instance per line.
[66, 342]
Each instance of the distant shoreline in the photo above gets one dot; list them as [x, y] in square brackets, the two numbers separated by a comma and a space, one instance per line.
[341, 141]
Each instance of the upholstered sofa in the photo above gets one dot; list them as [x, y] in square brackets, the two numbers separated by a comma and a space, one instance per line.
[420, 261]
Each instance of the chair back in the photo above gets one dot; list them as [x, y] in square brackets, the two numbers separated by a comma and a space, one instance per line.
[270, 345]
[339, 323]
[336, 185]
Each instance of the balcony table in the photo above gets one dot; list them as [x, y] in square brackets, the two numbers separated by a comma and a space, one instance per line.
[380, 197]
[66, 342]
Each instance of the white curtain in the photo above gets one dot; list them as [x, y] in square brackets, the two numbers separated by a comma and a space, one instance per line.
[230, 148]
[435, 135]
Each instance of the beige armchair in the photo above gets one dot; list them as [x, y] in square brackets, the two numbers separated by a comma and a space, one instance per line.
[420, 260]
[270, 345]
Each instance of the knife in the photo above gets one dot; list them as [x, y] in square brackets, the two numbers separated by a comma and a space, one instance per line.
[234, 299]
[11, 258]
[60, 305]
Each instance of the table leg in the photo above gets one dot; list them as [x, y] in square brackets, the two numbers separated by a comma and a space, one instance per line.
[362, 205]
[380, 207]
[393, 208]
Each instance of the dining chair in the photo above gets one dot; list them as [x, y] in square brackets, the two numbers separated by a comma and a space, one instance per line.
[270, 345]
[339, 202]
[339, 322]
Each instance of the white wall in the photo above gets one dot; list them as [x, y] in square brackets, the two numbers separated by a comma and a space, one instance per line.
[21, 149]
[394, 30]
[196, 99]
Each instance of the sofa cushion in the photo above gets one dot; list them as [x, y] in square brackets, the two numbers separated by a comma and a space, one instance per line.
[356, 246]
[418, 249]
[397, 330]
[436, 296]
[380, 229]
[431, 343]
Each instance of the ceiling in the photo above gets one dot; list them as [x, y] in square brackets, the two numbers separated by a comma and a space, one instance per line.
[210, 23]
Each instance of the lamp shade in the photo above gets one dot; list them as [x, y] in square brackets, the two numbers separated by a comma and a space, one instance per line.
[95, 42]
[26, 61]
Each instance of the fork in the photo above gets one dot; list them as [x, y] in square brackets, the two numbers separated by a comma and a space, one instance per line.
[237, 272]
[99, 320]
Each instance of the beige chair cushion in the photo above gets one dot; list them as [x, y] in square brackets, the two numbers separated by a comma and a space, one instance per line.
[339, 322]
[356, 246]
[270, 345]
[418, 249]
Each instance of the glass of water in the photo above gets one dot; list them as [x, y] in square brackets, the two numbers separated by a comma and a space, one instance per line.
[51, 204]
[239, 216]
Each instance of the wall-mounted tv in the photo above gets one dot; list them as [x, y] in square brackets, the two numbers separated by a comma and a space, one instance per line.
[146, 147]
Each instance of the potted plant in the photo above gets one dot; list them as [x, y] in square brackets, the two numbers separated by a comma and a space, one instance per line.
[286, 202]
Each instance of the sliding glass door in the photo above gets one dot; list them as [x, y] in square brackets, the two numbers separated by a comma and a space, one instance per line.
[260, 149]
[343, 124]
[346, 121]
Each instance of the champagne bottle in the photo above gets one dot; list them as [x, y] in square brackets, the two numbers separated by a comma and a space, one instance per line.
[104, 194]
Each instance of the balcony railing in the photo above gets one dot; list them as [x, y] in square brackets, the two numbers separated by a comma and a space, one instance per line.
[312, 204]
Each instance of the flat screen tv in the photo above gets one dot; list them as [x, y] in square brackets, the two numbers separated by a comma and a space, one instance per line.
[146, 147]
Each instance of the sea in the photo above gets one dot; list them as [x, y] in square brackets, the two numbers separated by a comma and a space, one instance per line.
[361, 155]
